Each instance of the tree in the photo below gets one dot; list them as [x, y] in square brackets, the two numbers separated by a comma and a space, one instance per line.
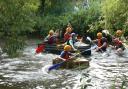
[115, 13]
[16, 17]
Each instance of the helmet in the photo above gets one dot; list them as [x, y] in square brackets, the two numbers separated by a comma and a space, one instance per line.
[105, 31]
[67, 48]
[99, 35]
[118, 32]
[73, 34]
[51, 32]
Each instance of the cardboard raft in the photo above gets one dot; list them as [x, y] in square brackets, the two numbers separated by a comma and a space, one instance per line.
[73, 63]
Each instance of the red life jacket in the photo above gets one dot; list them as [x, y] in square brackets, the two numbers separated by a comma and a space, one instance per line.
[118, 42]
[66, 55]
[67, 36]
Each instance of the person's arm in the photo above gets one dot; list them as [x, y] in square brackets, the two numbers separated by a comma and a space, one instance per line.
[46, 39]
[71, 43]
[95, 41]
[104, 45]
[62, 54]
[104, 40]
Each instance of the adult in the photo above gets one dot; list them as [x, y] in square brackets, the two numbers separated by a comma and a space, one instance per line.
[67, 33]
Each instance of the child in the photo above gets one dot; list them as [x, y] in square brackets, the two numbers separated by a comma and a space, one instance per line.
[71, 41]
[67, 34]
[117, 42]
[101, 42]
[65, 55]
[51, 38]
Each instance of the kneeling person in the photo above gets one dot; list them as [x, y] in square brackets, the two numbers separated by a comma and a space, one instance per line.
[101, 42]
[118, 45]
[65, 55]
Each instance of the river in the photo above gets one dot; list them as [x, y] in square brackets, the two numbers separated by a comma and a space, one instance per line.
[106, 71]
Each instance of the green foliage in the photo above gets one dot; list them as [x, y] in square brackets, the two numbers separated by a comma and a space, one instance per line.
[17, 15]
[16, 18]
[58, 7]
[13, 46]
[96, 27]
[84, 19]
[56, 15]
[115, 13]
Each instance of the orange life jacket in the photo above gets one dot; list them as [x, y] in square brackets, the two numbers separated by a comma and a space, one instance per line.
[99, 42]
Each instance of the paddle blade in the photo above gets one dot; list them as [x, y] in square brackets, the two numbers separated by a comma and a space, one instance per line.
[55, 66]
[94, 47]
[40, 48]
[88, 38]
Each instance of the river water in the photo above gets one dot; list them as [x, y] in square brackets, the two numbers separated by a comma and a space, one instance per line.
[106, 71]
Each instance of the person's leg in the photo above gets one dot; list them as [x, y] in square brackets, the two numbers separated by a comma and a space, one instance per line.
[120, 51]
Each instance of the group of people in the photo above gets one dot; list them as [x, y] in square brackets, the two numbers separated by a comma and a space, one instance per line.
[69, 37]
[102, 43]
[117, 42]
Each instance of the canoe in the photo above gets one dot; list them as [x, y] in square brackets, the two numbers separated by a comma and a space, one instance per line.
[54, 48]
[73, 63]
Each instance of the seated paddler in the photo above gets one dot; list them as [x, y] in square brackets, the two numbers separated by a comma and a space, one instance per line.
[66, 54]
[71, 41]
[101, 42]
[51, 38]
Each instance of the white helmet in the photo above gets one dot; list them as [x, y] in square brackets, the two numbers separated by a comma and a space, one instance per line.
[105, 31]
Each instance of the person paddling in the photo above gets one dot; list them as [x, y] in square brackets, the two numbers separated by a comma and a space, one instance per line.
[71, 41]
[117, 42]
[101, 42]
[67, 34]
[65, 54]
[51, 38]
[118, 45]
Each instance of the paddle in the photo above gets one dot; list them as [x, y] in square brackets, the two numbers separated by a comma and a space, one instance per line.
[40, 48]
[94, 45]
[89, 39]
[55, 66]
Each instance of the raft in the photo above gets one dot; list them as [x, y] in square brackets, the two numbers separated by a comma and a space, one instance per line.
[54, 48]
[73, 63]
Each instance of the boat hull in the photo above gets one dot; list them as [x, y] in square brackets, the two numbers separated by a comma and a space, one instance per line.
[54, 48]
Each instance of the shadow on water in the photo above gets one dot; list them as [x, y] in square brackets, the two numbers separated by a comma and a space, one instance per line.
[30, 72]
